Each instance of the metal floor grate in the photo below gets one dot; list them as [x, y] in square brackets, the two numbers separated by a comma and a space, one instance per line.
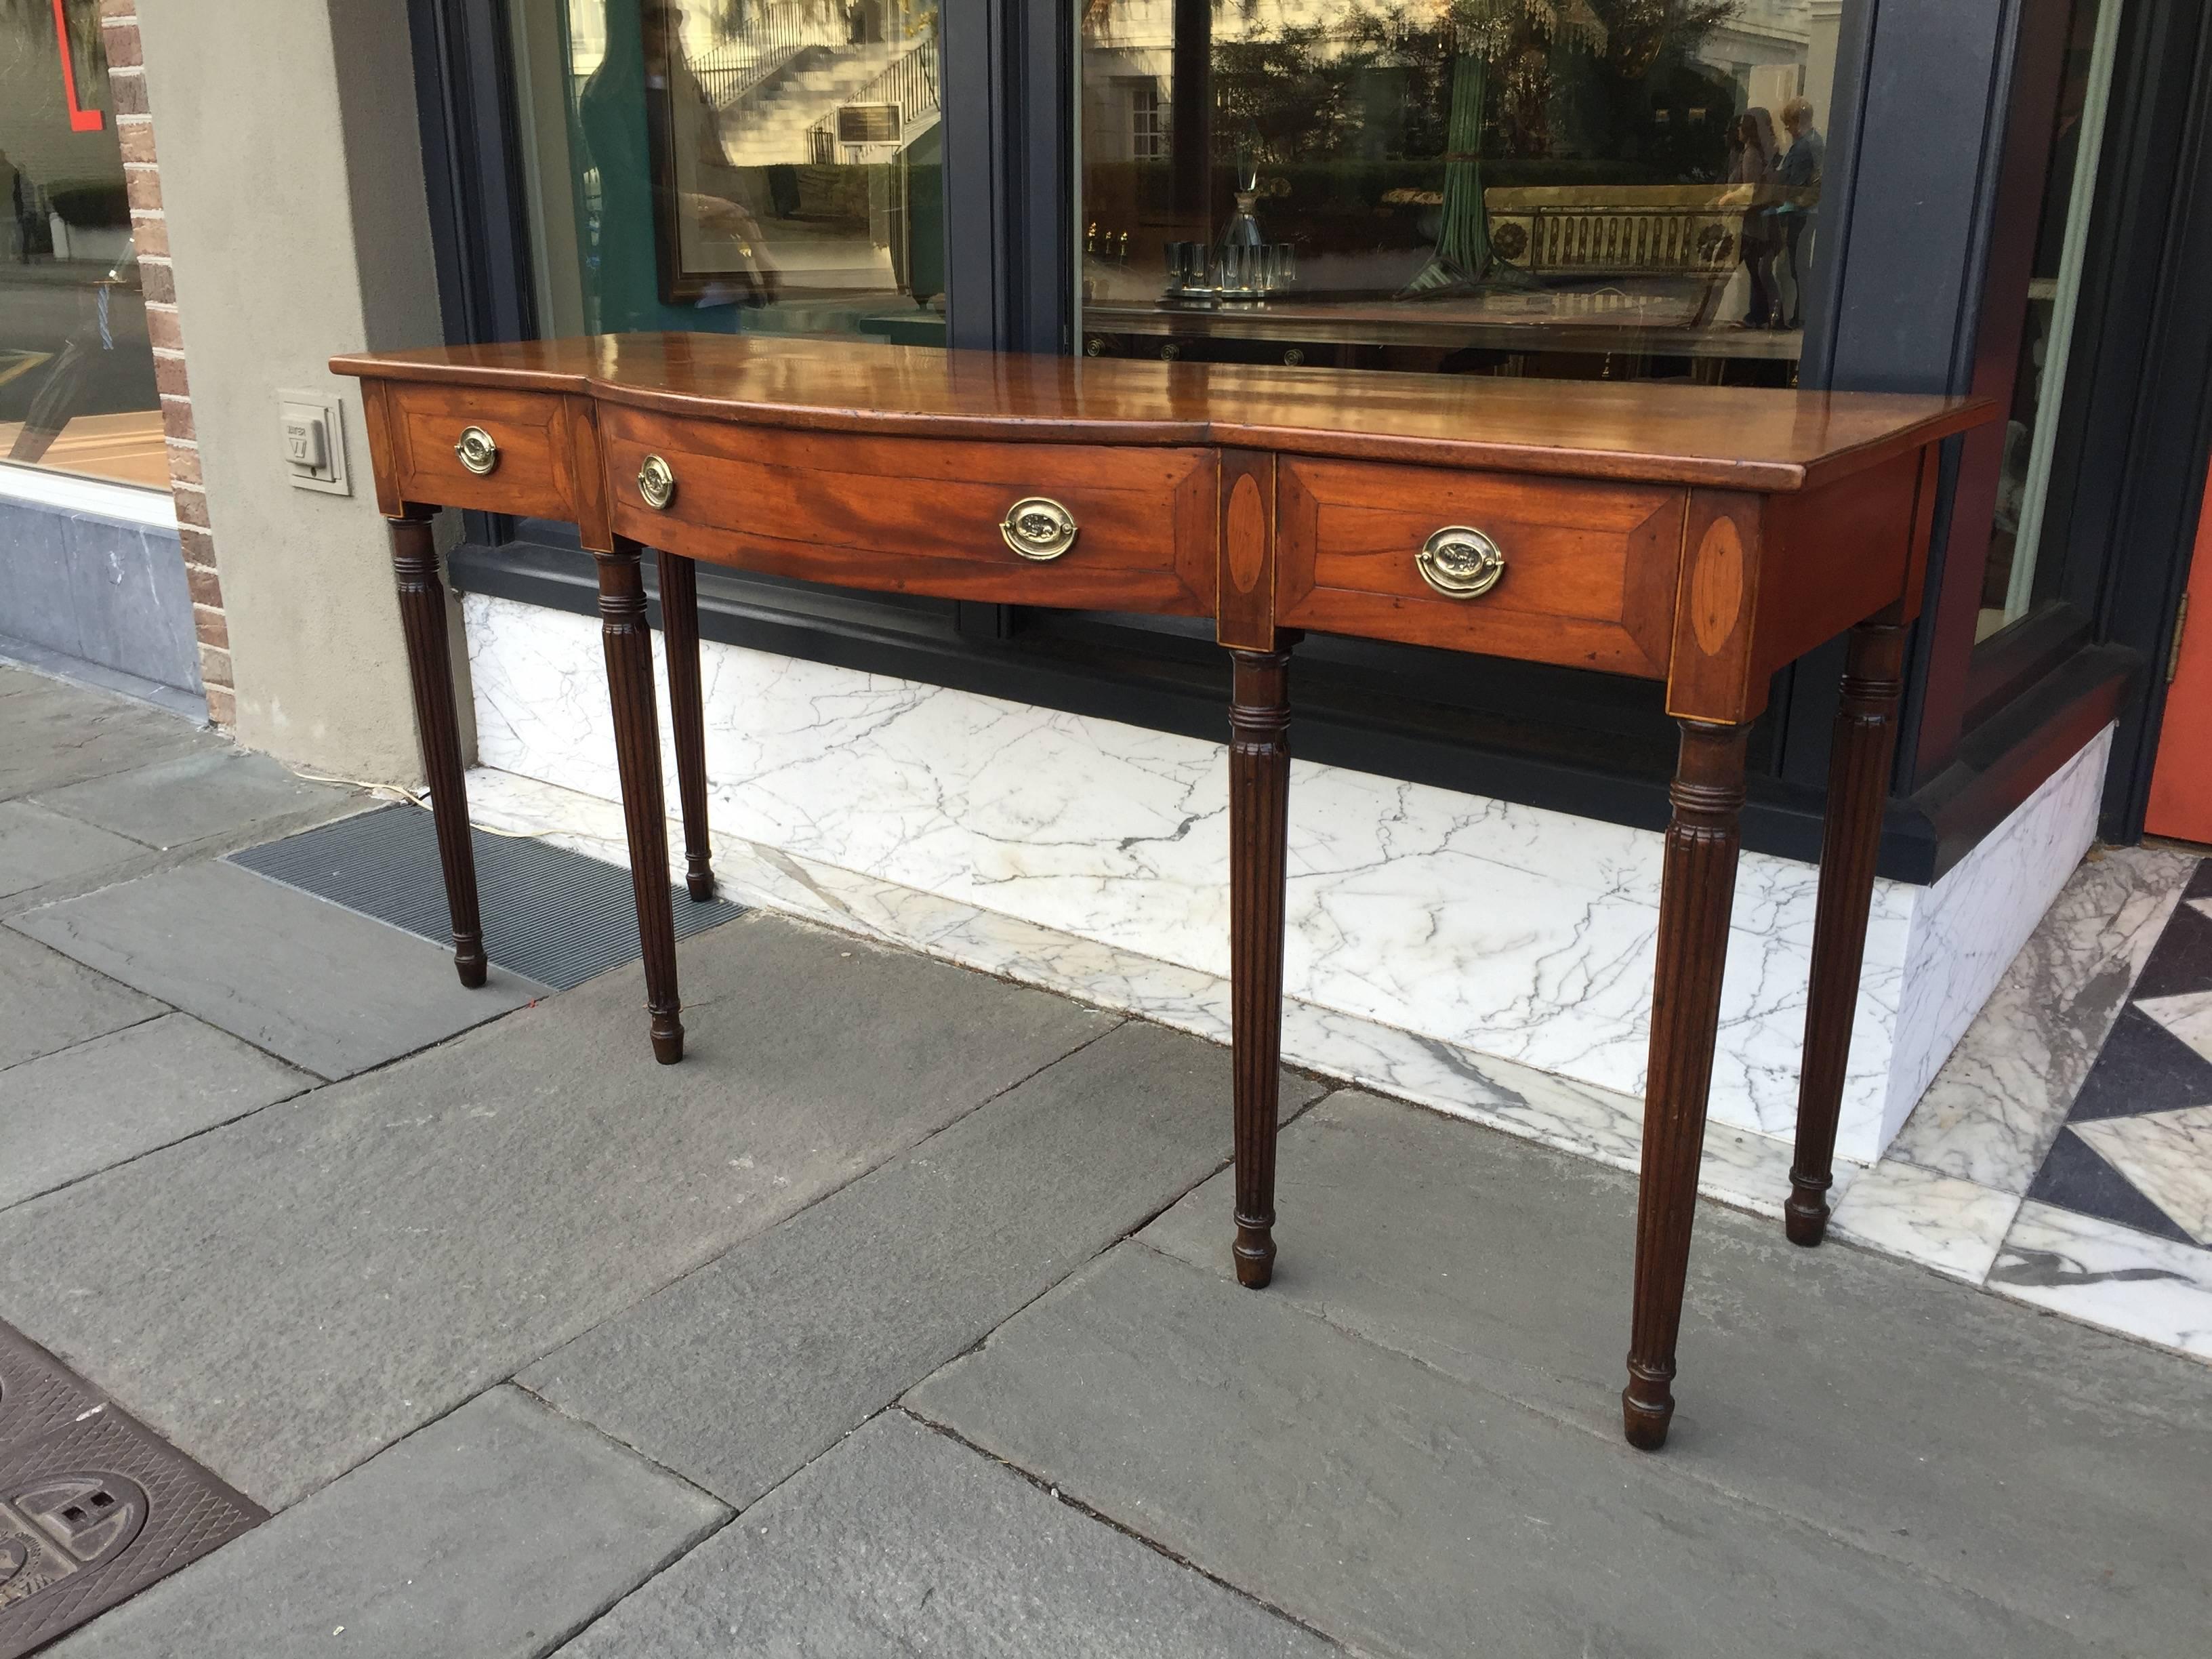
[92, 1507]
[548, 915]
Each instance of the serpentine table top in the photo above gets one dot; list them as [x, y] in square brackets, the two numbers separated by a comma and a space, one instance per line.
[1699, 536]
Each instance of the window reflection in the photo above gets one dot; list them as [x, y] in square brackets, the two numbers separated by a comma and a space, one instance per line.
[2009, 584]
[76, 368]
[727, 165]
[1575, 188]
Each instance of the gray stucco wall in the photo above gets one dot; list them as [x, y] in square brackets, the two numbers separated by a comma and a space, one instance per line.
[292, 177]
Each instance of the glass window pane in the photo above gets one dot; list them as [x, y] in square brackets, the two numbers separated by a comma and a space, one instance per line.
[2054, 284]
[723, 164]
[76, 370]
[1564, 188]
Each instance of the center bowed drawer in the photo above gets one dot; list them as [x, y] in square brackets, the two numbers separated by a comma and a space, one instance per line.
[1066, 525]
[1560, 570]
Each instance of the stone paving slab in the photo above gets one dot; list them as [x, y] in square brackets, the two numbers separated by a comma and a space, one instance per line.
[903, 1542]
[173, 803]
[330, 991]
[38, 846]
[737, 1375]
[2029, 1459]
[48, 1002]
[285, 1295]
[492, 1533]
[1402, 1511]
[68, 1115]
[58, 734]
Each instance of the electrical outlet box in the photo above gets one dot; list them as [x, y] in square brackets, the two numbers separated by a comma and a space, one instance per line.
[313, 433]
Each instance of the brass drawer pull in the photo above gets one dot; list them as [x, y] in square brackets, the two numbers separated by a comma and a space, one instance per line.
[656, 481]
[476, 451]
[1459, 562]
[1037, 527]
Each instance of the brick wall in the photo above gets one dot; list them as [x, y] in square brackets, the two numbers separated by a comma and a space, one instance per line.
[149, 232]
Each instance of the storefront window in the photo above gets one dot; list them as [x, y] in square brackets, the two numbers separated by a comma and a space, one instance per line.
[770, 166]
[76, 372]
[2054, 285]
[1562, 188]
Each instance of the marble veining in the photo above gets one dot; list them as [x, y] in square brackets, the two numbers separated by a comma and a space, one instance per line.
[1969, 927]
[1506, 931]
[1994, 1108]
[1951, 1225]
[2188, 1016]
[2167, 1156]
[1741, 1167]
[2104, 1275]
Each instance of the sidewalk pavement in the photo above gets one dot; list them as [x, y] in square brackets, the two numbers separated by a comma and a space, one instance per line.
[898, 1318]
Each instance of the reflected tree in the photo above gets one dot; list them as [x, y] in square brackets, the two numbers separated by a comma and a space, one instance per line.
[1511, 40]
[1504, 53]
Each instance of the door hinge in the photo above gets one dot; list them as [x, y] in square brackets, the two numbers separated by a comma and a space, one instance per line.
[2173, 651]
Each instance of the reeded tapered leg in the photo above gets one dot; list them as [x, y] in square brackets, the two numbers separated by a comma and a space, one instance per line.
[1695, 893]
[687, 716]
[430, 672]
[628, 643]
[1850, 839]
[1259, 802]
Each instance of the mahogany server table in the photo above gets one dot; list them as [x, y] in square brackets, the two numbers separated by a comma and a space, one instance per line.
[1703, 536]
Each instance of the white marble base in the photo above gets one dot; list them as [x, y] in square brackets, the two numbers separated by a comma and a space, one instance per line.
[1741, 1167]
[1955, 1226]
[1949, 1196]
[1951, 1225]
[2166, 1157]
[1489, 929]
[1991, 1113]
[2108, 1276]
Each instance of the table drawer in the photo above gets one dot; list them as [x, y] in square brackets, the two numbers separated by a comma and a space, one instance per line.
[533, 468]
[1588, 578]
[919, 515]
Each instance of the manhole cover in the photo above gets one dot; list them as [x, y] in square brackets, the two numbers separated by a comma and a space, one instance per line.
[93, 1506]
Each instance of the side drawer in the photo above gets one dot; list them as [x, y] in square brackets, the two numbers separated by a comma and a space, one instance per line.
[1587, 579]
[922, 515]
[543, 451]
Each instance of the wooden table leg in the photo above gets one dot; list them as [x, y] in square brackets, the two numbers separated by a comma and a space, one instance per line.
[687, 715]
[1259, 806]
[1696, 892]
[430, 672]
[628, 643]
[1850, 840]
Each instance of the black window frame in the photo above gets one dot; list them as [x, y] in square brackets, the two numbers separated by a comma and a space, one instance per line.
[1986, 721]
[1586, 744]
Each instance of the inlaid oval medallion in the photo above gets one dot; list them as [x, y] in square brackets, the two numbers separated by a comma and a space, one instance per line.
[1247, 530]
[1716, 586]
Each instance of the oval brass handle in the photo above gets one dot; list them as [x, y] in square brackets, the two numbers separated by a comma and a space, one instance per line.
[656, 481]
[1459, 562]
[1038, 528]
[476, 451]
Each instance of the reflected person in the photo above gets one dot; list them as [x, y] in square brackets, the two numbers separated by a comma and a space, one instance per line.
[677, 248]
[1756, 163]
[1800, 169]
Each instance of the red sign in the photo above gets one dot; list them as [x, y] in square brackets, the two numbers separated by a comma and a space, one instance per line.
[80, 120]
